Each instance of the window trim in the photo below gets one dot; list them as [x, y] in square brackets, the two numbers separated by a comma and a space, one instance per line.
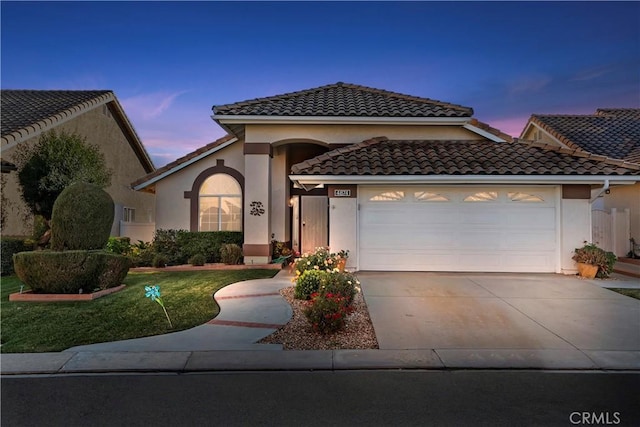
[194, 194]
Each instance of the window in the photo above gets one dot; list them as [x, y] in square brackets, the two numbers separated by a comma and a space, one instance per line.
[388, 196]
[220, 200]
[425, 196]
[128, 214]
[483, 196]
[524, 197]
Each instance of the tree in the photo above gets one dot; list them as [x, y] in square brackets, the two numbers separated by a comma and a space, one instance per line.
[55, 162]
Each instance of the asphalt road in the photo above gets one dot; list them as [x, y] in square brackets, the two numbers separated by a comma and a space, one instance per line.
[366, 398]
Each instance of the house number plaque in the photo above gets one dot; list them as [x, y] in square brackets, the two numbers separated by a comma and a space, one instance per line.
[341, 193]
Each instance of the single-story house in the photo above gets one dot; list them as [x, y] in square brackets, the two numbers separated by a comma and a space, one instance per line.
[611, 132]
[96, 115]
[402, 182]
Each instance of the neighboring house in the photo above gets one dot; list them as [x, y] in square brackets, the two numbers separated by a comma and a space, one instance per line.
[402, 182]
[96, 115]
[610, 132]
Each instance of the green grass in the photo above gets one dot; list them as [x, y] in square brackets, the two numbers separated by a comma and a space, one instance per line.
[633, 293]
[33, 327]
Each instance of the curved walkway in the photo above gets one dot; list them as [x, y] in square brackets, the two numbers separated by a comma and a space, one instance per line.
[249, 311]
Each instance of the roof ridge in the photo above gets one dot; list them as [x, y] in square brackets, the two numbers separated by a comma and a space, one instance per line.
[578, 152]
[369, 89]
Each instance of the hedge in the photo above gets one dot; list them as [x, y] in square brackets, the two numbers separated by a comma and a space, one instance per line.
[180, 245]
[70, 272]
[10, 246]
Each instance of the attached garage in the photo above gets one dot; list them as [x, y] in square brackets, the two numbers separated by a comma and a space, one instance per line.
[472, 228]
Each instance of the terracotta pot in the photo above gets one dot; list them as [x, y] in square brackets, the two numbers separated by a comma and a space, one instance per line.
[587, 271]
[342, 263]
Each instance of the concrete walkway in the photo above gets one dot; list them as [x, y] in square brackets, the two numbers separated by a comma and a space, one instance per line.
[253, 309]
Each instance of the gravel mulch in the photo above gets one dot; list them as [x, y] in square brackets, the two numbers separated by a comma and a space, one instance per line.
[298, 335]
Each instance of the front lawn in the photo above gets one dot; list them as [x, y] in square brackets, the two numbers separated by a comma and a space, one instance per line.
[33, 327]
[633, 293]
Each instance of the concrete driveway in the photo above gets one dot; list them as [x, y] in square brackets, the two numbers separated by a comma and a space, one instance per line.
[475, 317]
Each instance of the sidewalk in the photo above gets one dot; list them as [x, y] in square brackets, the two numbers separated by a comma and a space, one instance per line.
[253, 309]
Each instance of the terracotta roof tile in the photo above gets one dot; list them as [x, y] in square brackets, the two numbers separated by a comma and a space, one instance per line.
[23, 108]
[379, 156]
[344, 99]
[610, 132]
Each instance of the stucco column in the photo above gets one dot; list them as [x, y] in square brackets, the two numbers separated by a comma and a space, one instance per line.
[257, 203]
[575, 223]
[343, 221]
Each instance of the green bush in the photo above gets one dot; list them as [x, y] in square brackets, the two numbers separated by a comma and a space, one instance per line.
[82, 218]
[197, 260]
[119, 245]
[70, 272]
[180, 245]
[327, 312]
[142, 254]
[10, 246]
[308, 283]
[230, 253]
[339, 283]
[159, 261]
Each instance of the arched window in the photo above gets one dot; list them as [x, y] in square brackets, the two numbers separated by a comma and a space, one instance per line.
[220, 204]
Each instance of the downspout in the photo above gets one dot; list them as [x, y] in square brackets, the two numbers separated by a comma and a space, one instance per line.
[604, 189]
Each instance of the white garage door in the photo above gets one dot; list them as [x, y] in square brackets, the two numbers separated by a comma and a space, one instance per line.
[489, 229]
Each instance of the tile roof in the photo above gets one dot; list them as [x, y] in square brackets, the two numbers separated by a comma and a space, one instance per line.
[383, 157]
[23, 108]
[184, 159]
[344, 99]
[611, 132]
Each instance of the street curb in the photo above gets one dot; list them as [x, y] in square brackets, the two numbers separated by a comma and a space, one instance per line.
[85, 362]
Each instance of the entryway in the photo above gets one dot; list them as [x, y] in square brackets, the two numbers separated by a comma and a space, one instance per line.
[310, 222]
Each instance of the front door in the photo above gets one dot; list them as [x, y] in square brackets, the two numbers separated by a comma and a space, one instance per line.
[314, 222]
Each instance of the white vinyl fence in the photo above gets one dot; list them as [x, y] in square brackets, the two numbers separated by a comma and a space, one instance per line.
[611, 230]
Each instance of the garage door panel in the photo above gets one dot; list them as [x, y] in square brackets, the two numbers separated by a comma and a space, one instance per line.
[502, 235]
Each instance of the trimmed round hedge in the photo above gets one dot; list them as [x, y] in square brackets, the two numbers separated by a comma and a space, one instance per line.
[70, 271]
[82, 218]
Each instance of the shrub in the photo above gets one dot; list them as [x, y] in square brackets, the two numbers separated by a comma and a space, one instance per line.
[119, 245]
[159, 261]
[230, 253]
[82, 218]
[308, 283]
[321, 259]
[327, 312]
[197, 260]
[591, 254]
[142, 254]
[70, 272]
[341, 283]
[180, 245]
[10, 246]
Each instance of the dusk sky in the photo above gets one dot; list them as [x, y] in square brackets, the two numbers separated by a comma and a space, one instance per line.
[170, 62]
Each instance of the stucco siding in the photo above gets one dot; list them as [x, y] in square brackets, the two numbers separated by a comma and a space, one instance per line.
[100, 128]
[172, 208]
[351, 134]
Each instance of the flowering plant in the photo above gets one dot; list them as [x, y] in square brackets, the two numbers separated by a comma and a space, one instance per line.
[327, 312]
[320, 259]
[153, 292]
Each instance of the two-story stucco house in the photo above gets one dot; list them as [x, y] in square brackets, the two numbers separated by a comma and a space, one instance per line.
[96, 115]
[402, 182]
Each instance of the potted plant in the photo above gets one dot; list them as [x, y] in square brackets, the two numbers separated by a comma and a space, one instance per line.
[594, 261]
